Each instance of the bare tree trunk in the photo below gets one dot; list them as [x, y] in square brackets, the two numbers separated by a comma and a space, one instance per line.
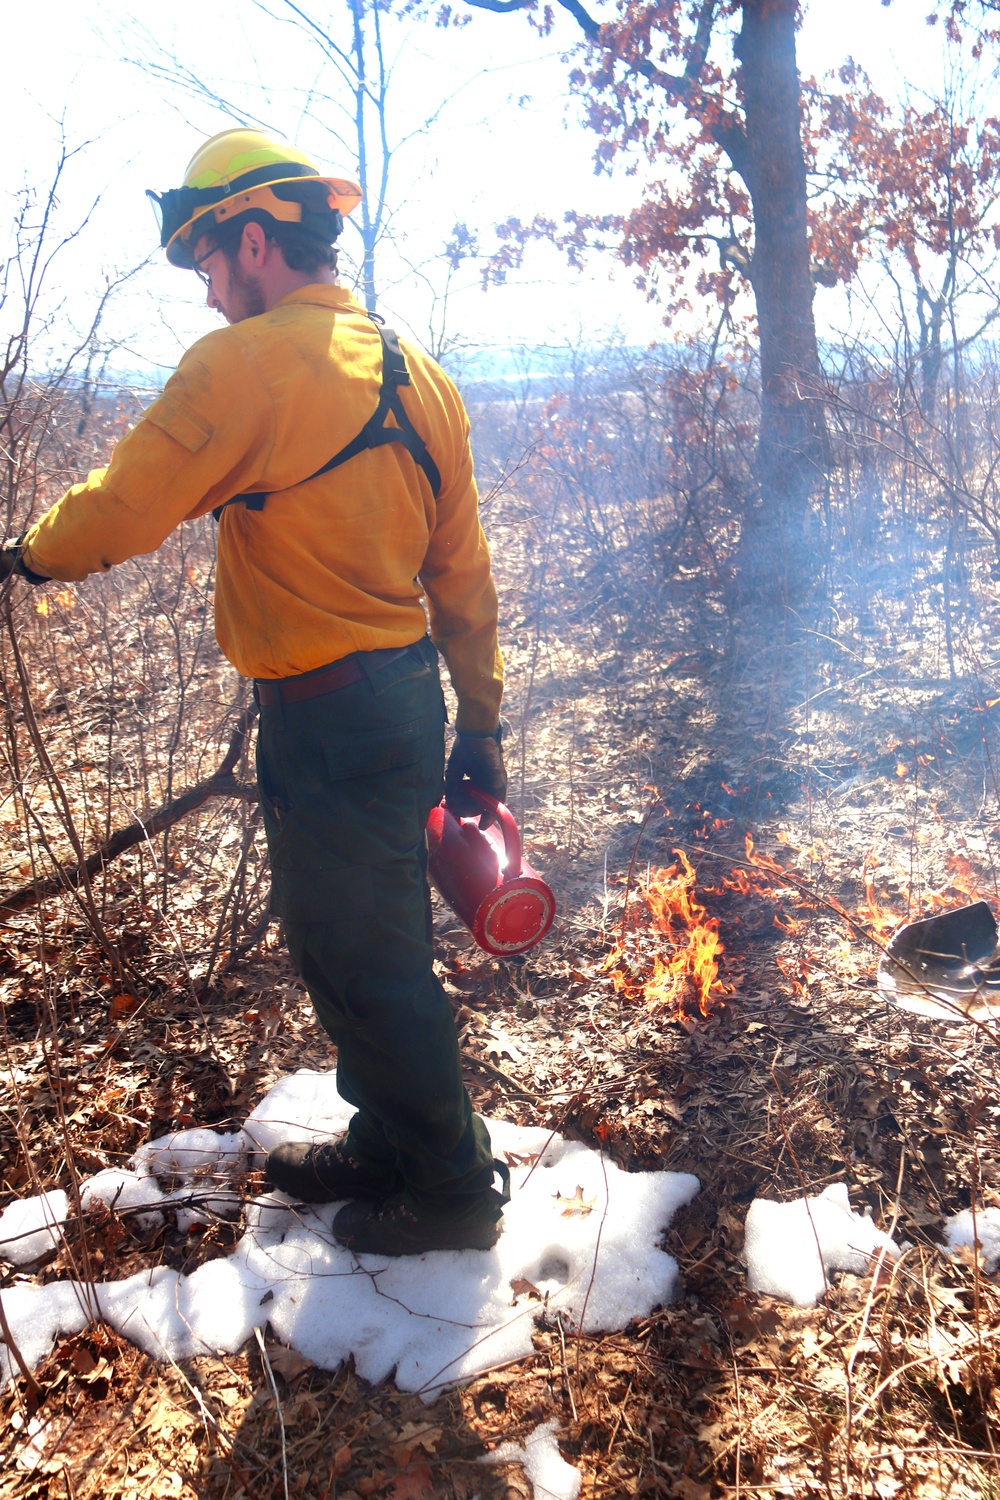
[360, 95]
[776, 565]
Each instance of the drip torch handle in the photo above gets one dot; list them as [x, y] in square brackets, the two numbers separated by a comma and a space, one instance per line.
[508, 827]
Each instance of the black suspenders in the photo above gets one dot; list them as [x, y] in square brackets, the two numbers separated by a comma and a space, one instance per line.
[375, 432]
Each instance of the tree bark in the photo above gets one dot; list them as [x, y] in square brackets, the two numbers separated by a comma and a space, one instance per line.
[764, 145]
[775, 563]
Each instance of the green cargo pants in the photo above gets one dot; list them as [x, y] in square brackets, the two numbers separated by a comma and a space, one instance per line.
[347, 781]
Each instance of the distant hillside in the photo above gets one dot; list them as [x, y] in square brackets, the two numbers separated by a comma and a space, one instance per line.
[522, 370]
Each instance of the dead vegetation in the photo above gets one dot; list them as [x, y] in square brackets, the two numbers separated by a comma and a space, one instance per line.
[651, 730]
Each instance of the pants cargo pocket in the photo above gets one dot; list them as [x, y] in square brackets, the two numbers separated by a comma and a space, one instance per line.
[339, 896]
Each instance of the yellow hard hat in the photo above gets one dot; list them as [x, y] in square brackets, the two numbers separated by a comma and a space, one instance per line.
[242, 169]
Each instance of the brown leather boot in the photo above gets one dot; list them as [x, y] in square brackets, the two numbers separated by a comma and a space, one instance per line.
[325, 1173]
[395, 1225]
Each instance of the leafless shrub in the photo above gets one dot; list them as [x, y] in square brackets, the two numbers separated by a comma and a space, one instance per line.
[115, 697]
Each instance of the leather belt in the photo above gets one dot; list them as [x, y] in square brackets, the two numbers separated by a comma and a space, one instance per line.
[274, 691]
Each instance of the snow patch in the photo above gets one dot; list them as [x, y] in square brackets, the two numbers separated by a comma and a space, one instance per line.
[792, 1248]
[193, 1154]
[204, 1162]
[552, 1478]
[580, 1236]
[30, 1227]
[304, 1106]
[125, 1192]
[963, 1230]
[38, 1315]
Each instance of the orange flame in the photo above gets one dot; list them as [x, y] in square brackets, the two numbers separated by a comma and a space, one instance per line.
[962, 879]
[672, 958]
[690, 966]
[879, 919]
[739, 881]
[765, 877]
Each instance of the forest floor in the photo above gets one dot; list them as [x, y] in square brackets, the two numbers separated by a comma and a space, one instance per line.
[869, 795]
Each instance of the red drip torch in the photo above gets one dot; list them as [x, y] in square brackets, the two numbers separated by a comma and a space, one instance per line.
[481, 875]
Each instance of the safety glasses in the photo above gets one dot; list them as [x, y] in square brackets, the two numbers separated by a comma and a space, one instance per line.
[196, 265]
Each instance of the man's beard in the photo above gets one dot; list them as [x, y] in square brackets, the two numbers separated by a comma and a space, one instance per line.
[246, 296]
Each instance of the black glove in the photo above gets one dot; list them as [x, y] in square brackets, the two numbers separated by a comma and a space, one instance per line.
[476, 760]
[12, 561]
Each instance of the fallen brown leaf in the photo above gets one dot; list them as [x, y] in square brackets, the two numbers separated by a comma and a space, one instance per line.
[289, 1363]
[420, 1435]
[412, 1484]
[578, 1204]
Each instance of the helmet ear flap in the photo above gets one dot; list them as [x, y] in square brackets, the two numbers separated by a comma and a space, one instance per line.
[318, 217]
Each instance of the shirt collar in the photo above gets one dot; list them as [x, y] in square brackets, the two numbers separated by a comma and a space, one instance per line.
[321, 295]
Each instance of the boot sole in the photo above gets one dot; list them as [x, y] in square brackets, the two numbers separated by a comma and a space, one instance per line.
[360, 1244]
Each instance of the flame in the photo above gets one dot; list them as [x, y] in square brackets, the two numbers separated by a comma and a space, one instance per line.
[668, 951]
[690, 966]
[796, 970]
[65, 598]
[879, 919]
[963, 880]
[765, 877]
[739, 881]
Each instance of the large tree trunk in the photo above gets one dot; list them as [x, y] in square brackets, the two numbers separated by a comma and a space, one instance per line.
[776, 565]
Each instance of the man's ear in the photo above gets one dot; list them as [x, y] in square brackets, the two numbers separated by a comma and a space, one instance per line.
[254, 243]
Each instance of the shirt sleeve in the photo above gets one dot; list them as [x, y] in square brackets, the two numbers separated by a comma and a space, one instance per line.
[461, 597]
[201, 442]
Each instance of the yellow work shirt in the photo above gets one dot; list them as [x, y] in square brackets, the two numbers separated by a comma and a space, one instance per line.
[335, 565]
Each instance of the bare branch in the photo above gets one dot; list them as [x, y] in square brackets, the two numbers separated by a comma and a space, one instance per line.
[592, 29]
[222, 783]
[502, 7]
[727, 129]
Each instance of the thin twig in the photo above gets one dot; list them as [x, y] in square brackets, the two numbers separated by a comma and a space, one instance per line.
[34, 1388]
[277, 1401]
[222, 783]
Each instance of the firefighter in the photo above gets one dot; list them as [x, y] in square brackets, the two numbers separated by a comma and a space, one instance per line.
[336, 460]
